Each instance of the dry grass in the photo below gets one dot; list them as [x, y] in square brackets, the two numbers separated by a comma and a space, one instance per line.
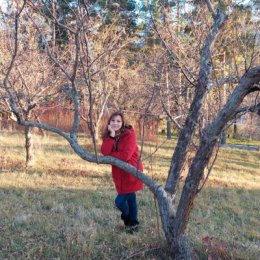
[62, 206]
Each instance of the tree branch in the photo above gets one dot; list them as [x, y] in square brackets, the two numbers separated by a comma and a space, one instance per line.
[222, 81]
[151, 184]
[17, 15]
[186, 133]
[211, 9]
[170, 116]
[210, 135]
[255, 108]
[33, 6]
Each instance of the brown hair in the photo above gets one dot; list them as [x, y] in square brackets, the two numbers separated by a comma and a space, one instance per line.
[125, 127]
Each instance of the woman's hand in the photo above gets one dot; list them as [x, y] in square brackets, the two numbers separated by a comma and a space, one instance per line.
[111, 131]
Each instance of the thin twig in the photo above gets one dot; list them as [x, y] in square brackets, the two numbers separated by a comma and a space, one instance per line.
[139, 252]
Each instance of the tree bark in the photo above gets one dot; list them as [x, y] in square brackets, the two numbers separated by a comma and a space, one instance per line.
[168, 120]
[209, 138]
[179, 156]
[178, 243]
[168, 128]
[223, 138]
[235, 129]
[28, 143]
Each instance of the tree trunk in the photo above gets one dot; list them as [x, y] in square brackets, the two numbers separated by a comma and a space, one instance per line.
[97, 131]
[168, 120]
[28, 144]
[168, 128]
[223, 139]
[180, 247]
[53, 5]
[178, 243]
[28, 141]
[179, 79]
[235, 132]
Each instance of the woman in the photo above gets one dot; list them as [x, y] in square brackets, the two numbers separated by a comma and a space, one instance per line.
[119, 141]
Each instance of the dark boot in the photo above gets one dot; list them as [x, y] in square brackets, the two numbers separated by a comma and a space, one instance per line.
[132, 227]
[126, 220]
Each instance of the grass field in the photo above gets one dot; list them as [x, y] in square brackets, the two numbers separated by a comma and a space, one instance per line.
[62, 207]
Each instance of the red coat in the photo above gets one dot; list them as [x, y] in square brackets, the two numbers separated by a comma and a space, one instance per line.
[128, 152]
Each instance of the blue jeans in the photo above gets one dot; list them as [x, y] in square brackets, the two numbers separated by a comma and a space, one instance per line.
[126, 203]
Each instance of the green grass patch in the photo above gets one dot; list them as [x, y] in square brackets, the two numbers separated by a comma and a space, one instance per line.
[62, 207]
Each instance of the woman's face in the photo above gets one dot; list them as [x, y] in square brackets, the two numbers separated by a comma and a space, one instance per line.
[116, 123]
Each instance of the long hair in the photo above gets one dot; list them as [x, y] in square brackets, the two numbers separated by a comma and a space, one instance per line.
[125, 127]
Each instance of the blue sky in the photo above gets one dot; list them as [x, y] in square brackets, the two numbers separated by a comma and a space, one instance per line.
[3, 4]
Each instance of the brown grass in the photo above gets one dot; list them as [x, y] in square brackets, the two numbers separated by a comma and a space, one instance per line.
[62, 207]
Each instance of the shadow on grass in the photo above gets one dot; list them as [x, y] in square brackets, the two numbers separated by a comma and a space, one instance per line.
[13, 167]
[82, 224]
[13, 147]
[49, 148]
[227, 220]
[63, 223]
[48, 224]
[241, 163]
[71, 173]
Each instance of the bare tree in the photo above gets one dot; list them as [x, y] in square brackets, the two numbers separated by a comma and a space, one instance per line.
[174, 214]
[27, 81]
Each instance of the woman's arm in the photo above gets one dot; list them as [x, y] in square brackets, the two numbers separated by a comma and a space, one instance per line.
[107, 146]
[129, 146]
